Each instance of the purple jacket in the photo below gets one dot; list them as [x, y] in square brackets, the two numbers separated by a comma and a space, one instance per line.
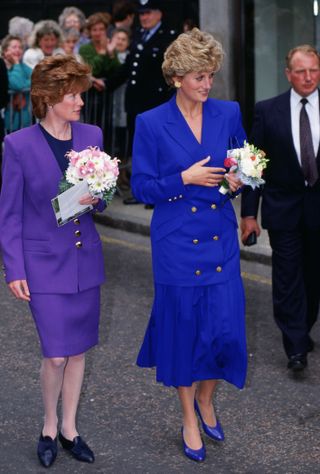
[33, 246]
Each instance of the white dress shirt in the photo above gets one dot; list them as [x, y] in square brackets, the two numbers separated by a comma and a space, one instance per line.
[312, 108]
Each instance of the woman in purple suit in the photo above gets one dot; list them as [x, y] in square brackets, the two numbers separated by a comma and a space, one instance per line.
[58, 270]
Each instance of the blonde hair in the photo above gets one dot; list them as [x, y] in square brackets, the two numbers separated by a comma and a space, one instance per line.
[303, 48]
[54, 77]
[193, 51]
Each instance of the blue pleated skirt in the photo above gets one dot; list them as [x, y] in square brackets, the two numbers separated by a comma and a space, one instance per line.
[197, 333]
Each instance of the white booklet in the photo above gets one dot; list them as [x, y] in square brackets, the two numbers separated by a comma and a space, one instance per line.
[66, 205]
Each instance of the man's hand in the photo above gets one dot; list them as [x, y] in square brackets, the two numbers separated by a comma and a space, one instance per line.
[98, 84]
[248, 225]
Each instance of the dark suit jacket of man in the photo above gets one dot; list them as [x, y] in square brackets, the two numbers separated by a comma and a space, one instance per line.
[287, 201]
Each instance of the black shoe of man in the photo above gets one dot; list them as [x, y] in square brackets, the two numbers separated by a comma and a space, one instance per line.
[298, 362]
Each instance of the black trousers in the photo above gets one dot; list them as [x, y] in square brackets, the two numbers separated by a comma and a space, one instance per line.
[295, 285]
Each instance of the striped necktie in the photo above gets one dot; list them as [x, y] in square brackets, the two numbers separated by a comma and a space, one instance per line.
[145, 36]
[308, 160]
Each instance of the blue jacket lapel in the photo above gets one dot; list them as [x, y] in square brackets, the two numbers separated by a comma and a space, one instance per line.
[179, 130]
[211, 128]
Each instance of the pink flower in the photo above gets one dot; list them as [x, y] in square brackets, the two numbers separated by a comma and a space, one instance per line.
[229, 161]
[73, 156]
[90, 167]
[83, 170]
[95, 151]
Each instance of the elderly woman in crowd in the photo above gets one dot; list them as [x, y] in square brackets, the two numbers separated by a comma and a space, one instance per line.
[74, 18]
[17, 114]
[99, 53]
[196, 332]
[22, 27]
[70, 39]
[58, 270]
[45, 40]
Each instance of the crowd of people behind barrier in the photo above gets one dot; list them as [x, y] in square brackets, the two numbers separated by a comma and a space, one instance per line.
[93, 40]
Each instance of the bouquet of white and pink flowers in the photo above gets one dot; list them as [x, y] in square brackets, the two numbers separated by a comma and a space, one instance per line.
[247, 163]
[94, 166]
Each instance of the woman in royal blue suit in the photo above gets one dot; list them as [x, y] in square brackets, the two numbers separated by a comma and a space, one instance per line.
[196, 332]
[58, 270]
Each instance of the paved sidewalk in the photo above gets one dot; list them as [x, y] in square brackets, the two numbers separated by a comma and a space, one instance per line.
[135, 218]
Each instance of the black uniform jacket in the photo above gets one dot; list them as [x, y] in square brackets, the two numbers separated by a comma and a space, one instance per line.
[146, 86]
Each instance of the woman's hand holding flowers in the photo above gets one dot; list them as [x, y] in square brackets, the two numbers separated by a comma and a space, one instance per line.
[202, 175]
[88, 200]
[233, 181]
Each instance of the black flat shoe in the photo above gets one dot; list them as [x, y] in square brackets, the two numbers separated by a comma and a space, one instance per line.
[78, 448]
[298, 362]
[47, 450]
[130, 200]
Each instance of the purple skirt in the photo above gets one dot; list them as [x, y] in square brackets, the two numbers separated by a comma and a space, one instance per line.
[67, 324]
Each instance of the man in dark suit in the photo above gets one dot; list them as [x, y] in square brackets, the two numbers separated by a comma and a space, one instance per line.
[146, 87]
[287, 128]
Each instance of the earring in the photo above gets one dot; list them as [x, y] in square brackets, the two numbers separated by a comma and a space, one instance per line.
[177, 84]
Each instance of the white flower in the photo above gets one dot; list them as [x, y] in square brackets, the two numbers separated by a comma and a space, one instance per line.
[72, 175]
[247, 167]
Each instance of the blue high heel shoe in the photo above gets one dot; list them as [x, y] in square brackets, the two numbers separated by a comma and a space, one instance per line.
[214, 432]
[198, 455]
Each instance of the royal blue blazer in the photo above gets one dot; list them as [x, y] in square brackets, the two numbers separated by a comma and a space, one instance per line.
[193, 229]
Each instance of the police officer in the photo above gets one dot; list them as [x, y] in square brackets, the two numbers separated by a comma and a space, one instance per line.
[146, 87]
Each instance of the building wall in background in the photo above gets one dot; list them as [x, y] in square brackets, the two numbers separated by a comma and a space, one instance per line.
[279, 25]
[216, 17]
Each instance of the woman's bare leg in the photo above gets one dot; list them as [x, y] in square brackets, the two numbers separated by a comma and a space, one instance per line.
[191, 431]
[204, 395]
[51, 377]
[71, 389]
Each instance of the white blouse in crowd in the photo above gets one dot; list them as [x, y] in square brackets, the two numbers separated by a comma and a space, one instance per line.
[33, 56]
